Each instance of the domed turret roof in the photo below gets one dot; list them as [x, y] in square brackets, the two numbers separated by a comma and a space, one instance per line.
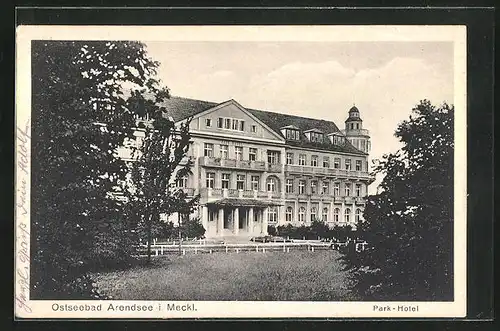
[353, 109]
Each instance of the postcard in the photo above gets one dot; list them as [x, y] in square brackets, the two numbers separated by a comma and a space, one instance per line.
[240, 172]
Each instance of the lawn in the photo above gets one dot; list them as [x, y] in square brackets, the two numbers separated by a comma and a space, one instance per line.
[249, 276]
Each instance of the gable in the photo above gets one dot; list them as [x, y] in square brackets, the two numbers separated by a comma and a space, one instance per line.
[232, 113]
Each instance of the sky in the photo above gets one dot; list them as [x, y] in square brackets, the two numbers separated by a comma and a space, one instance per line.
[385, 80]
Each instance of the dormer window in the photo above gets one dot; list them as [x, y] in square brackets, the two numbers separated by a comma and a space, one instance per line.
[291, 132]
[337, 139]
[314, 135]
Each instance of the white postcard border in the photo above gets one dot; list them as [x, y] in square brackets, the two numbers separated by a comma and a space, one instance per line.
[26, 308]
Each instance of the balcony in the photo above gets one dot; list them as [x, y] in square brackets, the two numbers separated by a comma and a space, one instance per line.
[208, 193]
[321, 171]
[215, 162]
[357, 132]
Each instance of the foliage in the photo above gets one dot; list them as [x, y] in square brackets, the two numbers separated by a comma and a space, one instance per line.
[315, 230]
[160, 162]
[80, 116]
[271, 230]
[192, 228]
[409, 225]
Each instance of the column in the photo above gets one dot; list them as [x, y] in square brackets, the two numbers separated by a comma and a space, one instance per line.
[236, 221]
[295, 211]
[204, 218]
[264, 221]
[281, 215]
[308, 211]
[320, 209]
[342, 209]
[220, 222]
[332, 207]
[250, 220]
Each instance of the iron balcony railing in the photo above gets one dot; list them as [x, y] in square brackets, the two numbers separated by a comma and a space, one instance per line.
[340, 173]
[217, 162]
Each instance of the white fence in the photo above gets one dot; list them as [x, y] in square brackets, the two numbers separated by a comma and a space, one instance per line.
[202, 247]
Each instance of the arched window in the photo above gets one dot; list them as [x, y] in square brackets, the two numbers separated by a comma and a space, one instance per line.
[272, 184]
[336, 213]
[358, 214]
[272, 214]
[347, 215]
[314, 213]
[289, 214]
[302, 214]
[325, 215]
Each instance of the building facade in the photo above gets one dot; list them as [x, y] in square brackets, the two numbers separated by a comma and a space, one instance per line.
[255, 168]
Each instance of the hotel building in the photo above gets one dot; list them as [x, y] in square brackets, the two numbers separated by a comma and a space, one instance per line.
[255, 168]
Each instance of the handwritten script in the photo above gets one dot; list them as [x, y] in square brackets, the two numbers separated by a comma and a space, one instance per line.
[22, 229]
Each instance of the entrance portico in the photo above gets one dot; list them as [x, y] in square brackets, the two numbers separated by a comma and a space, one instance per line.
[236, 217]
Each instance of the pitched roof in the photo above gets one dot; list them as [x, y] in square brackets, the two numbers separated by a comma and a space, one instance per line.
[181, 108]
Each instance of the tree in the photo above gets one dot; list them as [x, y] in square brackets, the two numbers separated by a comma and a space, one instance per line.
[409, 224]
[80, 117]
[192, 228]
[160, 162]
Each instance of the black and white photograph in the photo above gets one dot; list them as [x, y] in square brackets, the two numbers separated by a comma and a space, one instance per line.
[243, 171]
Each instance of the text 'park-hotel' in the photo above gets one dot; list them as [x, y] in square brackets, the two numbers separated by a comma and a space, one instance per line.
[255, 168]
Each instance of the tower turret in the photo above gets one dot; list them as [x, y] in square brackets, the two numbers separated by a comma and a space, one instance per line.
[354, 132]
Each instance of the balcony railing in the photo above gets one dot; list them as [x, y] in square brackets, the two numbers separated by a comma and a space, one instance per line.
[208, 161]
[292, 168]
[363, 132]
[235, 193]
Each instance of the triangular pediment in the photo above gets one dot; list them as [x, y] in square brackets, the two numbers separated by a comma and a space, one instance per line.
[231, 118]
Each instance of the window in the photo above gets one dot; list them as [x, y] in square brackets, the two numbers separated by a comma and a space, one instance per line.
[289, 214]
[252, 154]
[289, 158]
[347, 188]
[358, 190]
[358, 165]
[326, 162]
[235, 125]
[240, 182]
[336, 163]
[210, 179]
[338, 140]
[302, 186]
[253, 128]
[357, 126]
[238, 152]
[224, 151]
[208, 150]
[302, 214]
[225, 181]
[208, 122]
[348, 164]
[324, 216]
[182, 182]
[314, 186]
[255, 183]
[358, 215]
[314, 212]
[289, 186]
[347, 215]
[316, 136]
[227, 123]
[302, 159]
[273, 157]
[292, 134]
[363, 145]
[272, 215]
[220, 122]
[314, 160]
[271, 184]
[336, 189]
[325, 188]
[336, 213]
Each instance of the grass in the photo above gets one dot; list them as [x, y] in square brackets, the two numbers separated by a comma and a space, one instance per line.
[249, 276]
